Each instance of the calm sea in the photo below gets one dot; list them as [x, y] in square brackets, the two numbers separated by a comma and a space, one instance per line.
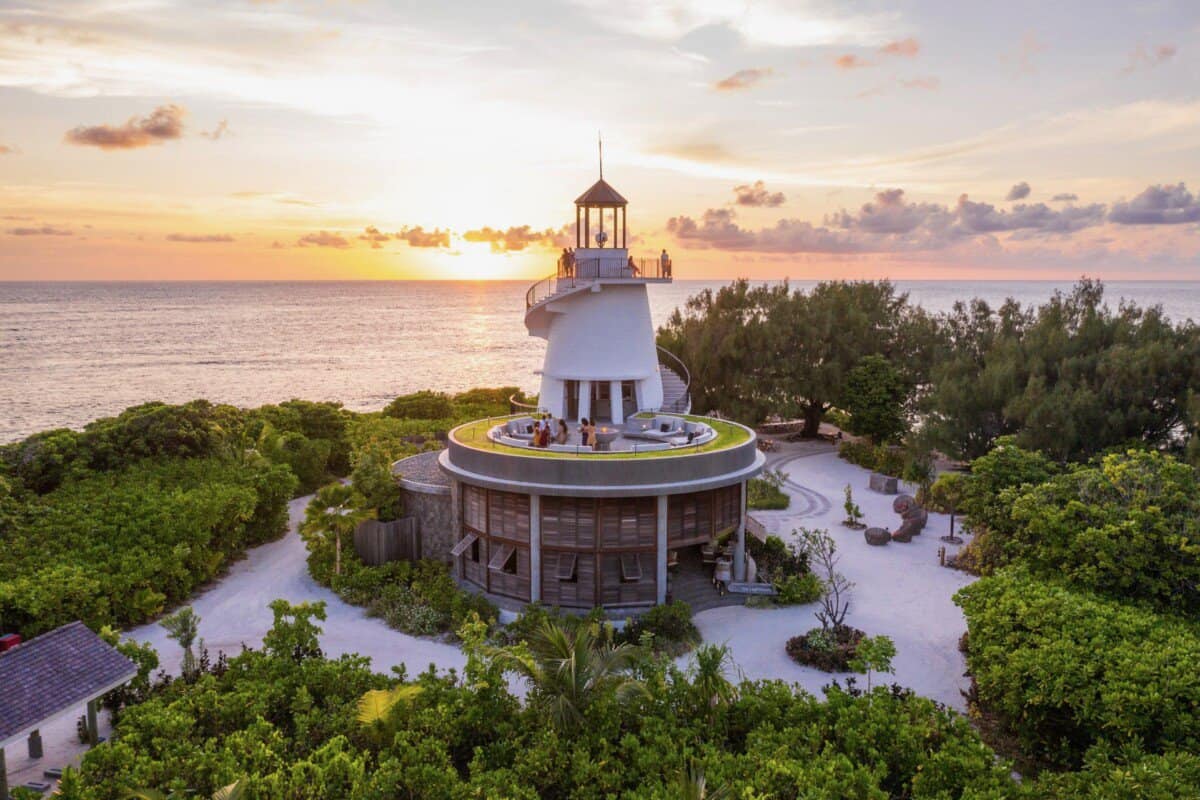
[71, 352]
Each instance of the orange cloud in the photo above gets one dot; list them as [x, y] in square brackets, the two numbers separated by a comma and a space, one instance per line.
[907, 48]
[851, 61]
[164, 124]
[199, 238]
[742, 79]
[323, 239]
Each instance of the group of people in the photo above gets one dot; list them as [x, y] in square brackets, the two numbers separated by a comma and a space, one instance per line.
[545, 432]
[542, 436]
[566, 264]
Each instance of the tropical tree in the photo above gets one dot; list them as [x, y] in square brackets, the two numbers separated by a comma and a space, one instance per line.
[335, 512]
[709, 678]
[569, 671]
[183, 626]
[233, 791]
[873, 654]
[874, 394]
[693, 785]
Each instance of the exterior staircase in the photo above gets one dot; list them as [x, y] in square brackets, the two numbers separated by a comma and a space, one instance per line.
[677, 398]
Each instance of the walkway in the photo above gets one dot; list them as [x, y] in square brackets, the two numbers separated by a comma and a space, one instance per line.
[900, 591]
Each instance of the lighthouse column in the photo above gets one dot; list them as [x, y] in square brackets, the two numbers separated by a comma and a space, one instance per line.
[615, 402]
[585, 399]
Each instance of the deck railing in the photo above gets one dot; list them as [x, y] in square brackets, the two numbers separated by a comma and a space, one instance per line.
[571, 273]
[682, 403]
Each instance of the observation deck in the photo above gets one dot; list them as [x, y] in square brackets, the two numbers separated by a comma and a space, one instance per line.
[589, 273]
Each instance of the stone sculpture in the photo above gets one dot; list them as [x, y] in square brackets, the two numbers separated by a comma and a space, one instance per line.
[877, 536]
[912, 518]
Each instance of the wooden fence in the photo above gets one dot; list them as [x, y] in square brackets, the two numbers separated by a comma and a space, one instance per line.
[380, 542]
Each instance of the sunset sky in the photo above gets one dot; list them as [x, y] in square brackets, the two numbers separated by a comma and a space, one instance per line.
[296, 139]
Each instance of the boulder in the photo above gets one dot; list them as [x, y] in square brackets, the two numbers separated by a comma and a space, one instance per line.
[884, 484]
[877, 536]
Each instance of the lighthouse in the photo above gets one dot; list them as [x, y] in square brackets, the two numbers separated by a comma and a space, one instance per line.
[594, 313]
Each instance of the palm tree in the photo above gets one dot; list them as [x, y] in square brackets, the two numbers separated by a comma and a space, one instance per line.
[569, 671]
[182, 626]
[376, 706]
[694, 786]
[708, 677]
[335, 511]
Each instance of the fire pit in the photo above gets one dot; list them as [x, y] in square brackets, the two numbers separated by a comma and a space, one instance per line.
[605, 436]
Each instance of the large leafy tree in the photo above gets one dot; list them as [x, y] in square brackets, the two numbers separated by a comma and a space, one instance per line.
[333, 514]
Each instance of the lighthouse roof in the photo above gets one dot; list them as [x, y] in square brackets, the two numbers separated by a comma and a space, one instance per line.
[601, 194]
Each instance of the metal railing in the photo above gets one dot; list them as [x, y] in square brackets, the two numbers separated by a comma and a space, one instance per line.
[480, 437]
[681, 403]
[572, 273]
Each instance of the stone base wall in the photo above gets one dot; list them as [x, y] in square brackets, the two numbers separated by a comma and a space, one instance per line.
[435, 524]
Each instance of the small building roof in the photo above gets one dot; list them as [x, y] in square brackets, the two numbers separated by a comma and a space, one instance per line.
[53, 673]
[601, 194]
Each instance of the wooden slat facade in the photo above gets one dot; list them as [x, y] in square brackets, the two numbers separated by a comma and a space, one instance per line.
[594, 551]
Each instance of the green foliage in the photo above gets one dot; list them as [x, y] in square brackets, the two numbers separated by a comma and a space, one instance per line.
[333, 515]
[798, 590]
[853, 512]
[1128, 526]
[669, 625]
[183, 626]
[1137, 777]
[421, 599]
[732, 341]
[293, 634]
[873, 395]
[775, 559]
[118, 547]
[1071, 378]
[420, 405]
[1068, 670]
[873, 654]
[765, 493]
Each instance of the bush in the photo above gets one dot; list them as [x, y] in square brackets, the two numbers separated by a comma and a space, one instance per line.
[776, 560]
[1067, 670]
[765, 493]
[798, 590]
[671, 626]
[858, 451]
[827, 649]
[420, 405]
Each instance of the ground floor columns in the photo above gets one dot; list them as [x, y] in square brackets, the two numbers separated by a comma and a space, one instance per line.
[35, 744]
[615, 403]
[585, 399]
[660, 550]
[93, 729]
[739, 547]
[535, 548]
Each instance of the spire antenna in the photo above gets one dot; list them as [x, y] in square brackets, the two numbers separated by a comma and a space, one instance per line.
[600, 143]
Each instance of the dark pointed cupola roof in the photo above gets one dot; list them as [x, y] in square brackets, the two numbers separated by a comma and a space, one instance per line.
[601, 194]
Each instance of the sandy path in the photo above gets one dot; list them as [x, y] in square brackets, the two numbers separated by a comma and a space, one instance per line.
[901, 590]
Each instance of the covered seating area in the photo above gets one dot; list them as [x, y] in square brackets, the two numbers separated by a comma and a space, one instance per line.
[48, 677]
[640, 434]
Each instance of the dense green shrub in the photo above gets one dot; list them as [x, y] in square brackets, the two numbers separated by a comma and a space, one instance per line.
[1067, 669]
[766, 493]
[669, 624]
[287, 727]
[873, 395]
[1157, 777]
[798, 590]
[118, 547]
[420, 405]
[1128, 526]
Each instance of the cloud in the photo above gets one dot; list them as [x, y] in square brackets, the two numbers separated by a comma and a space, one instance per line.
[216, 133]
[907, 48]
[5, 150]
[887, 224]
[323, 239]
[929, 83]
[742, 79]
[850, 61]
[416, 236]
[1019, 191]
[199, 238]
[1065, 197]
[375, 237]
[1147, 58]
[44, 230]
[164, 124]
[514, 238]
[704, 151]
[756, 194]
[1158, 205]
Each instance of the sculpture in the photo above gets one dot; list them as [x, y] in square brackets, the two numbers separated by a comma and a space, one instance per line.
[912, 518]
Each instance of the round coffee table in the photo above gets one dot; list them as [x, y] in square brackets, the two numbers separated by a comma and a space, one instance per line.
[605, 437]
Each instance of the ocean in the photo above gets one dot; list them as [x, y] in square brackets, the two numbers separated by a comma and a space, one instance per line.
[72, 352]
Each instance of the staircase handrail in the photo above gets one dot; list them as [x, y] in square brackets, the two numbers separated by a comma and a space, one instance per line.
[684, 374]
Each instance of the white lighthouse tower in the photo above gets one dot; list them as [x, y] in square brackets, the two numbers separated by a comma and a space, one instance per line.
[601, 359]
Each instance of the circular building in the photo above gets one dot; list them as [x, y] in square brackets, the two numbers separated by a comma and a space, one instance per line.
[654, 492]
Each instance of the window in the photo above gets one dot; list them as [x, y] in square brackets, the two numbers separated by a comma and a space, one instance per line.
[504, 559]
[631, 567]
[469, 541]
[566, 569]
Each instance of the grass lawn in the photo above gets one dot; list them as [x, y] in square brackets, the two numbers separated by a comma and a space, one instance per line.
[474, 434]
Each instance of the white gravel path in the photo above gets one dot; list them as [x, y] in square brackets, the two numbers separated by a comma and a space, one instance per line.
[900, 591]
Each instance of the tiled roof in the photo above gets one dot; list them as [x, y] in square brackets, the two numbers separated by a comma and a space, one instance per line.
[54, 672]
[601, 194]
